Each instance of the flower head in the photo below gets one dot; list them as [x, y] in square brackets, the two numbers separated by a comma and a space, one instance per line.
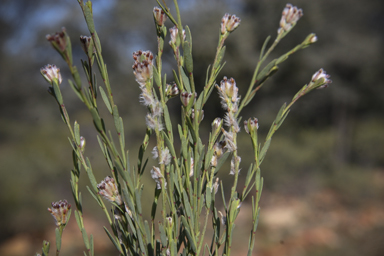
[143, 66]
[229, 23]
[108, 189]
[59, 211]
[289, 18]
[51, 73]
[86, 42]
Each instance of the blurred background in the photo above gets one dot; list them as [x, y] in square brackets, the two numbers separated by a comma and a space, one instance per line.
[324, 172]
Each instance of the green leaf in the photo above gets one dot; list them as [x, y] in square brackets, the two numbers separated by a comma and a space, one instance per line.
[208, 198]
[188, 233]
[185, 80]
[105, 99]
[85, 238]
[45, 249]
[58, 239]
[97, 120]
[168, 123]
[264, 150]
[78, 94]
[115, 243]
[220, 57]
[57, 91]
[138, 199]
[89, 17]
[264, 46]
[188, 57]
[77, 133]
[156, 77]
[163, 236]
[116, 118]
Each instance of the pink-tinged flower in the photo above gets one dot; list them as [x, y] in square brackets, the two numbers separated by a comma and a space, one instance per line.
[229, 23]
[60, 212]
[289, 17]
[158, 177]
[251, 124]
[186, 97]
[159, 16]
[174, 34]
[321, 74]
[108, 189]
[143, 66]
[51, 73]
[85, 42]
[58, 40]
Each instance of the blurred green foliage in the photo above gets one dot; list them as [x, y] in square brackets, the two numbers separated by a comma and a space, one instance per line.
[331, 139]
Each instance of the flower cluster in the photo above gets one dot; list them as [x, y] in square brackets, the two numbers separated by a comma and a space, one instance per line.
[164, 158]
[289, 18]
[51, 73]
[229, 23]
[60, 212]
[108, 189]
[143, 67]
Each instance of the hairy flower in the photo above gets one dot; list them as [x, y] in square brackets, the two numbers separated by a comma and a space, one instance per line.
[158, 177]
[51, 73]
[235, 161]
[231, 121]
[289, 17]
[229, 23]
[230, 143]
[108, 189]
[228, 92]
[59, 211]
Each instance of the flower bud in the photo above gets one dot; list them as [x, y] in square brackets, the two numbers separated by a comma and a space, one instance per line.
[251, 125]
[82, 143]
[171, 90]
[58, 40]
[159, 16]
[321, 74]
[186, 97]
